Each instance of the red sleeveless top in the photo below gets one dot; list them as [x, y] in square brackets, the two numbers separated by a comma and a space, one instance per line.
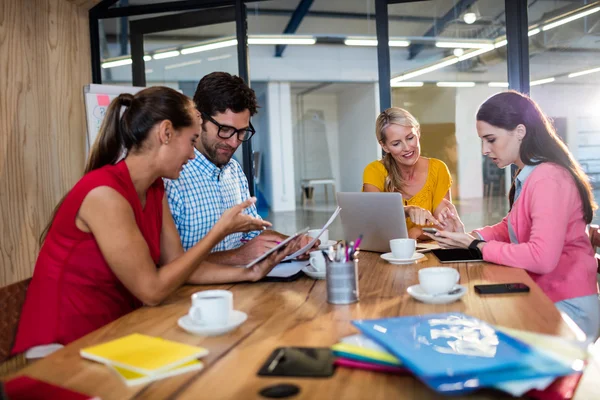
[73, 291]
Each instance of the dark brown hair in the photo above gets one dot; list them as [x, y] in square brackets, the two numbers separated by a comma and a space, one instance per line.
[126, 133]
[509, 109]
[219, 91]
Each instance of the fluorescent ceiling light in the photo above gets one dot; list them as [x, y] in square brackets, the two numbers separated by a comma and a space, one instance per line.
[360, 42]
[407, 84]
[498, 84]
[147, 58]
[288, 40]
[455, 84]
[117, 63]
[475, 53]
[573, 17]
[541, 81]
[209, 46]
[183, 64]
[399, 43]
[222, 57]
[166, 54]
[587, 71]
[470, 18]
[462, 45]
[425, 70]
[533, 32]
[373, 42]
[500, 43]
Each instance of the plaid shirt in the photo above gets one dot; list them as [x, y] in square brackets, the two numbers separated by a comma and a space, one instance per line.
[201, 194]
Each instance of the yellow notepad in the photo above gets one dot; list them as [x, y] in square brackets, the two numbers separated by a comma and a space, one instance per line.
[366, 353]
[146, 355]
[132, 378]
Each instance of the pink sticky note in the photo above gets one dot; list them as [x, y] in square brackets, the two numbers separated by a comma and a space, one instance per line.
[103, 100]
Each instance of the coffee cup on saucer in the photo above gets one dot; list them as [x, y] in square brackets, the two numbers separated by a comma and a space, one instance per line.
[211, 307]
[317, 260]
[403, 248]
[438, 280]
[324, 238]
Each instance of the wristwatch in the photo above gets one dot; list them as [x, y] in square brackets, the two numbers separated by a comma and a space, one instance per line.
[473, 247]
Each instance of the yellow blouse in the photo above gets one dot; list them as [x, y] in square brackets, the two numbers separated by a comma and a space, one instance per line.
[429, 197]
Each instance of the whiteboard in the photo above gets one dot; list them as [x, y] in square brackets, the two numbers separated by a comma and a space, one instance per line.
[97, 98]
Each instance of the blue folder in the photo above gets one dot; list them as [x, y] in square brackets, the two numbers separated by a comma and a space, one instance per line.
[456, 353]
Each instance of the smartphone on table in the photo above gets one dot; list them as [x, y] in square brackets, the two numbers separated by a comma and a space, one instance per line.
[501, 288]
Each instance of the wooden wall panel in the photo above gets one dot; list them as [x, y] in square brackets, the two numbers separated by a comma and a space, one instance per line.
[44, 48]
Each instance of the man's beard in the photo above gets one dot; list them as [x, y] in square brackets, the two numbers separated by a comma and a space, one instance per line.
[210, 151]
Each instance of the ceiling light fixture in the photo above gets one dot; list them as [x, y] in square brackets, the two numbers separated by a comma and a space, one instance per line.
[166, 54]
[286, 40]
[541, 81]
[117, 63]
[463, 45]
[209, 46]
[498, 84]
[573, 17]
[458, 52]
[407, 84]
[587, 71]
[470, 18]
[455, 84]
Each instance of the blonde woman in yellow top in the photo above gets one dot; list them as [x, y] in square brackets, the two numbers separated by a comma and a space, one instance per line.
[424, 182]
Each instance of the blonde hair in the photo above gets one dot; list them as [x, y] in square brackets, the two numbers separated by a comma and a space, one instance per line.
[393, 116]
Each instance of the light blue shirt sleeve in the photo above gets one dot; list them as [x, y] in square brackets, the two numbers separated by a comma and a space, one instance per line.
[175, 202]
[252, 211]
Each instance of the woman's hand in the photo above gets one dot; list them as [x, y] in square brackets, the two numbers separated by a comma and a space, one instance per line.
[449, 219]
[261, 269]
[448, 240]
[420, 216]
[234, 220]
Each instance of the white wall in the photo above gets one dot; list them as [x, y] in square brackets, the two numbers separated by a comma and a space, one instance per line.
[358, 108]
[325, 104]
[279, 162]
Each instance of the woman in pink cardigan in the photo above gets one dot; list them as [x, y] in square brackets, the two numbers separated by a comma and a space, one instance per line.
[551, 202]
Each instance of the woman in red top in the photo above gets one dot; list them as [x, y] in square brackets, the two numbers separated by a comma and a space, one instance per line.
[100, 257]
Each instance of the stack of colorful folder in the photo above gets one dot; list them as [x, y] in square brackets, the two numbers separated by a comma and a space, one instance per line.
[453, 353]
[141, 359]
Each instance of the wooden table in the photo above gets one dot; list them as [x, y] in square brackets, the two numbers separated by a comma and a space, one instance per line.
[297, 314]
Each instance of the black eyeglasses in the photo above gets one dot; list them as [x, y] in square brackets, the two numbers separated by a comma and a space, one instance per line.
[225, 131]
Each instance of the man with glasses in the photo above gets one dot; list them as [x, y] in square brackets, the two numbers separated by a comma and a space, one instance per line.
[214, 181]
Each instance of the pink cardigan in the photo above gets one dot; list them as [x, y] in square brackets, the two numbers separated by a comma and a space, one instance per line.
[554, 247]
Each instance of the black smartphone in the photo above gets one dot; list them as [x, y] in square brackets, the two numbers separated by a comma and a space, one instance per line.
[313, 362]
[429, 230]
[457, 255]
[502, 288]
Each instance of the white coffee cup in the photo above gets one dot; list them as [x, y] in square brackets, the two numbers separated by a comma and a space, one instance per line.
[438, 280]
[211, 307]
[403, 248]
[324, 238]
[317, 260]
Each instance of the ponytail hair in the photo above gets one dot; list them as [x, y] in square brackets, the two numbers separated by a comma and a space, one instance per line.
[124, 132]
[121, 134]
[393, 116]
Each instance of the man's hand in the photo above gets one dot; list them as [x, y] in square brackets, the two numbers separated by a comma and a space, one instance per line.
[260, 270]
[259, 246]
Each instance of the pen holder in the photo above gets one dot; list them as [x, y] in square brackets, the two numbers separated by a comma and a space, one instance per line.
[342, 282]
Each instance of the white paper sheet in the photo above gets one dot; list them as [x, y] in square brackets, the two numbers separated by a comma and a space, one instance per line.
[312, 242]
[283, 270]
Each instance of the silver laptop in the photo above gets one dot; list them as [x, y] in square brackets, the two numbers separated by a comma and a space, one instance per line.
[379, 217]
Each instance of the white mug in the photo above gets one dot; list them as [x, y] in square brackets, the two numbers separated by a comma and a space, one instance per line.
[211, 307]
[403, 248]
[317, 260]
[324, 238]
[438, 280]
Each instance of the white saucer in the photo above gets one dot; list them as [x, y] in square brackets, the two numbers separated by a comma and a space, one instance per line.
[389, 257]
[313, 274]
[418, 293]
[325, 246]
[236, 318]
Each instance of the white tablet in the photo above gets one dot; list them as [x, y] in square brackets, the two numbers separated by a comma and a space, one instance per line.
[279, 246]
